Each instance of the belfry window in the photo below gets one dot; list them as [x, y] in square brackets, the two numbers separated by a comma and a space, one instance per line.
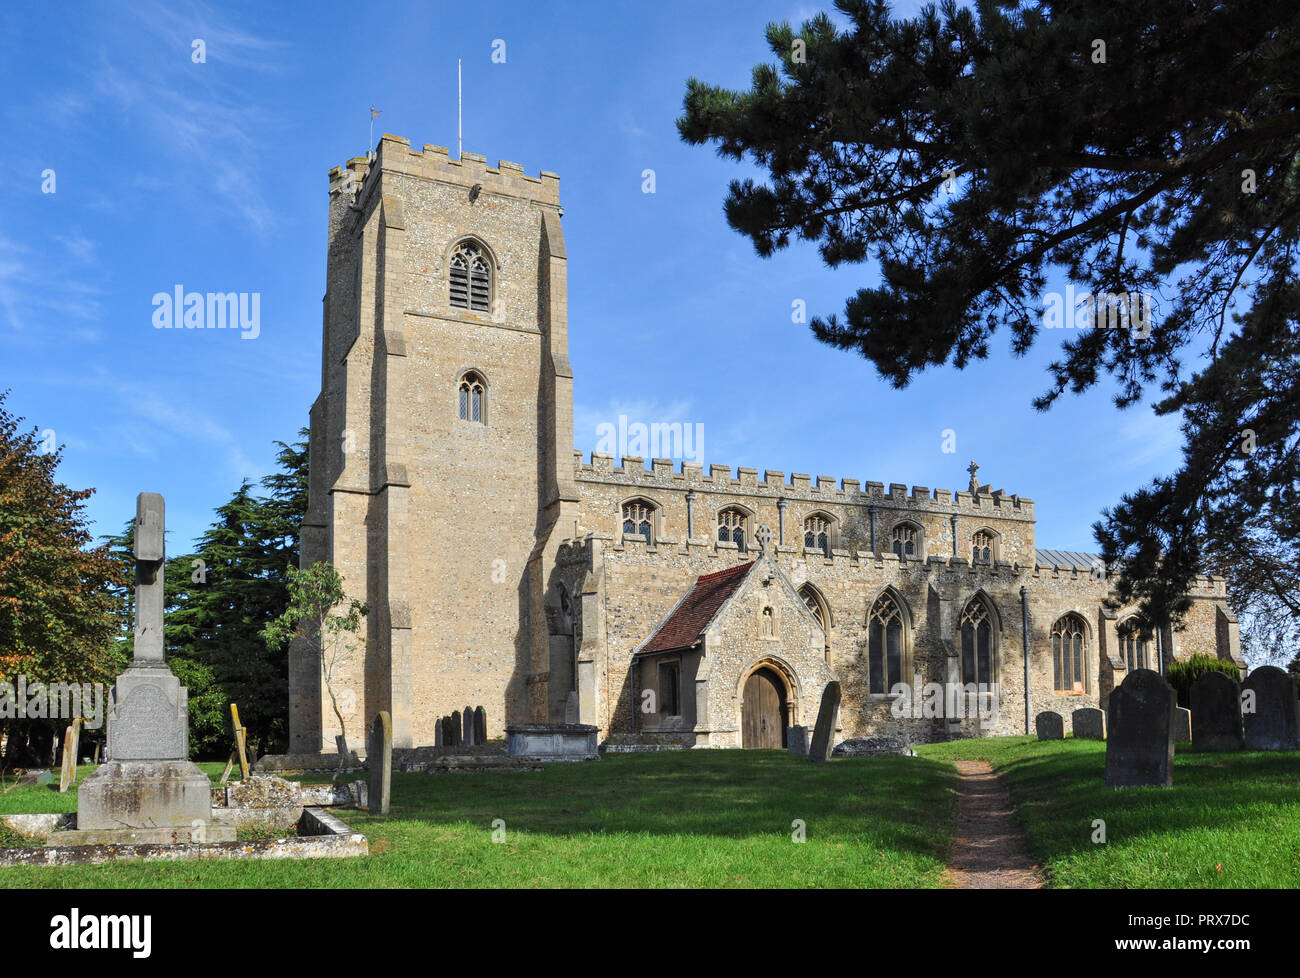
[905, 540]
[472, 406]
[982, 551]
[471, 278]
[817, 534]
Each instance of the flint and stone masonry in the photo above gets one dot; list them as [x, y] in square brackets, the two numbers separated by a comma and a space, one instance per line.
[502, 567]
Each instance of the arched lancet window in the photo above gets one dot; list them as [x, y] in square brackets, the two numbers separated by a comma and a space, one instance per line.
[1135, 643]
[731, 527]
[817, 533]
[817, 606]
[885, 644]
[983, 548]
[472, 398]
[1069, 639]
[638, 520]
[977, 650]
[906, 540]
[471, 278]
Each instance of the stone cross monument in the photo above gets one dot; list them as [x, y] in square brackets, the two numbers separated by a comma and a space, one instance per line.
[147, 790]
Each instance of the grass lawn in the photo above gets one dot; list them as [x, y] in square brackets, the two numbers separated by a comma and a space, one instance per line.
[693, 819]
[1230, 820]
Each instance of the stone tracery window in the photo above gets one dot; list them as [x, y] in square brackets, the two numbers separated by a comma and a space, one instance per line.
[638, 520]
[977, 651]
[1069, 639]
[817, 533]
[472, 406]
[1134, 643]
[906, 540]
[983, 548]
[731, 527]
[885, 644]
[816, 604]
[471, 278]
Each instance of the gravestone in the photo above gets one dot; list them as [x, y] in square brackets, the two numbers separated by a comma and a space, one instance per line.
[1140, 738]
[797, 741]
[1049, 725]
[71, 741]
[1274, 723]
[437, 732]
[1088, 723]
[380, 758]
[1216, 712]
[571, 707]
[1183, 726]
[147, 790]
[480, 725]
[467, 718]
[824, 732]
[457, 730]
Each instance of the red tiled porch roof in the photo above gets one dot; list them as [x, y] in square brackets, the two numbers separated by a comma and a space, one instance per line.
[695, 612]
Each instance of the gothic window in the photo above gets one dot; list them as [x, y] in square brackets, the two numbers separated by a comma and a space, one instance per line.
[977, 652]
[817, 605]
[982, 548]
[471, 278]
[1134, 643]
[906, 540]
[1069, 637]
[817, 534]
[638, 520]
[885, 644]
[472, 406]
[731, 527]
[670, 683]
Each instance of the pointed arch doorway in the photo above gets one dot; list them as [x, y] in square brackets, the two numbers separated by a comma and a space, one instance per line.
[765, 710]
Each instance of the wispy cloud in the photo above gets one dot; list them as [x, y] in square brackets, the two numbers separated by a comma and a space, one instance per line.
[50, 292]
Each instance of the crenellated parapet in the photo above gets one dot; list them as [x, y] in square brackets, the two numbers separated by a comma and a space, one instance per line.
[667, 474]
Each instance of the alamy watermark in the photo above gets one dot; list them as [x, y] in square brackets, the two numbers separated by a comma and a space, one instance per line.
[655, 440]
[52, 701]
[1109, 310]
[179, 309]
[953, 701]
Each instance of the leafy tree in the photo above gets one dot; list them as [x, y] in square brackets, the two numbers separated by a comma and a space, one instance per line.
[57, 596]
[1137, 148]
[332, 638]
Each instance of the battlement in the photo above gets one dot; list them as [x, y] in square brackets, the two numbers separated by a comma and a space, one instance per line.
[394, 155]
[665, 473]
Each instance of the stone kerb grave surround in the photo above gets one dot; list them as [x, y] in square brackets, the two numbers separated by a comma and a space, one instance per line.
[1049, 725]
[1274, 721]
[1140, 745]
[147, 790]
[1216, 713]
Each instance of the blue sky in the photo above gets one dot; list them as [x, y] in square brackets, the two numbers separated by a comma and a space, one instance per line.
[214, 176]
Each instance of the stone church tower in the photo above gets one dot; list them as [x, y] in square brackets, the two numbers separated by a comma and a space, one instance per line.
[441, 443]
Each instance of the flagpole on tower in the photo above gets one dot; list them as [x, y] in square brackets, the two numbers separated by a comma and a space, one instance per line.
[460, 131]
[370, 149]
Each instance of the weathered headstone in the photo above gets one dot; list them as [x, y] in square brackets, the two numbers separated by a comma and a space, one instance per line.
[1216, 712]
[71, 741]
[796, 740]
[380, 759]
[571, 707]
[147, 789]
[456, 729]
[437, 732]
[467, 718]
[1183, 726]
[1140, 738]
[480, 725]
[824, 732]
[1088, 723]
[1049, 725]
[1274, 723]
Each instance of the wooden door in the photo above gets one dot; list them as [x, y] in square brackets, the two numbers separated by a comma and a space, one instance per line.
[763, 713]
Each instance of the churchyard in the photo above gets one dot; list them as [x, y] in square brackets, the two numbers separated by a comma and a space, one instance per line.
[731, 819]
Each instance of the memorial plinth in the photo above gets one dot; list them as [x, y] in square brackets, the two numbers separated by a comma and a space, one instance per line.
[147, 790]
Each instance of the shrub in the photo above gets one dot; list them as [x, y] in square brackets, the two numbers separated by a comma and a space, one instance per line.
[1183, 672]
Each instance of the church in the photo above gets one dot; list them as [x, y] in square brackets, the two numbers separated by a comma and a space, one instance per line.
[666, 603]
